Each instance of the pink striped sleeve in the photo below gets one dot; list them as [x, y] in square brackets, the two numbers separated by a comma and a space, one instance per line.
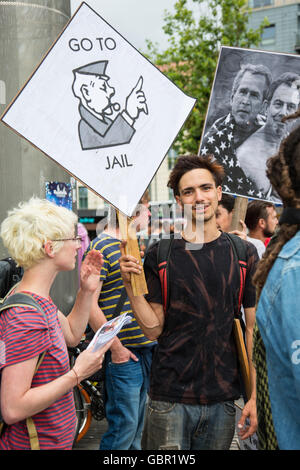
[25, 334]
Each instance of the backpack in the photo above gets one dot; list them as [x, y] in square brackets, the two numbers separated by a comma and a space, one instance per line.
[240, 253]
[163, 257]
[10, 274]
[21, 299]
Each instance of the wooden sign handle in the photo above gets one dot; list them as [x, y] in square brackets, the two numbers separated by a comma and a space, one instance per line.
[128, 233]
[239, 213]
[242, 356]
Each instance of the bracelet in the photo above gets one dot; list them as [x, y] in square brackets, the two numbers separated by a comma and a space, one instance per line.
[77, 378]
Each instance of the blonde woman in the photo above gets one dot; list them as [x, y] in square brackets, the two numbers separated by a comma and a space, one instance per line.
[41, 238]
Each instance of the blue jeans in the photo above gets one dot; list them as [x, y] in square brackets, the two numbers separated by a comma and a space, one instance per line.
[126, 387]
[189, 427]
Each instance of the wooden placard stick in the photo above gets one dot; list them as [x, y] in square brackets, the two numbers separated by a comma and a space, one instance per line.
[128, 233]
[239, 213]
[242, 356]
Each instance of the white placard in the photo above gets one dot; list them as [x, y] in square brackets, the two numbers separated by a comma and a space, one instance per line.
[101, 110]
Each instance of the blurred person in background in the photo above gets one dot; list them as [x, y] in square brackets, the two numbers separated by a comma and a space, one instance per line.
[261, 221]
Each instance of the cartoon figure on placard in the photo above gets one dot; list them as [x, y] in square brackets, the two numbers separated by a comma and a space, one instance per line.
[96, 129]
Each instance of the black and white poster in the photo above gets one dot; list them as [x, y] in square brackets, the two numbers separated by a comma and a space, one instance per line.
[252, 91]
[101, 110]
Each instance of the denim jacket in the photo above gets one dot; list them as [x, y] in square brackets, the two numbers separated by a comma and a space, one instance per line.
[278, 319]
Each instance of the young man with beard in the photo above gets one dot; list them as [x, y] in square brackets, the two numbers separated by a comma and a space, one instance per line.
[194, 377]
[224, 218]
[261, 220]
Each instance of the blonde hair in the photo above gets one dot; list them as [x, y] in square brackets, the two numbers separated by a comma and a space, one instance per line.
[28, 226]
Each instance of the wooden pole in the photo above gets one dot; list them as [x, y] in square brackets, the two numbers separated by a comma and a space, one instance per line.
[242, 356]
[128, 233]
[239, 213]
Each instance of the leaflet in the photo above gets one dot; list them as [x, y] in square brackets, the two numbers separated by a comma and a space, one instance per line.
[108, 330]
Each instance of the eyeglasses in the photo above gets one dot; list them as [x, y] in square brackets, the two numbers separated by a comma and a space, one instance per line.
[77, 239]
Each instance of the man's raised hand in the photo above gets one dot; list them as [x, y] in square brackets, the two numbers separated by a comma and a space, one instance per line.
[128, 264]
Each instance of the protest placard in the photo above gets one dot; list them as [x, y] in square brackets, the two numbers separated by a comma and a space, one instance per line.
[101, 110]
[252, 91]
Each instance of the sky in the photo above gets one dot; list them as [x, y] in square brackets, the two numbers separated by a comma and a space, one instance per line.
[136, 20]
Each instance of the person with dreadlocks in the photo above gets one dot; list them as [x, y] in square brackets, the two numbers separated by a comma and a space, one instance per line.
[276, 339]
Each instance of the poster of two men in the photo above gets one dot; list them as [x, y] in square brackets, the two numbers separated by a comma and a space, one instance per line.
[252, 92]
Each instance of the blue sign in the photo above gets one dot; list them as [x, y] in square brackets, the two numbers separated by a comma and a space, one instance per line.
[59, 193]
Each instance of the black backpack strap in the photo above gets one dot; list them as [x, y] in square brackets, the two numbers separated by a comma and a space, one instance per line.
[31, 428]
[10, 274]
[163, 257]
[21, 299]
[240, 252]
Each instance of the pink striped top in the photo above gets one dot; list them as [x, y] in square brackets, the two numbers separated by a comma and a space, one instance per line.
[26, 334]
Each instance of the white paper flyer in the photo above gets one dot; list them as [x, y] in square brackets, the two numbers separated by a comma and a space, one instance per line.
[108, 330]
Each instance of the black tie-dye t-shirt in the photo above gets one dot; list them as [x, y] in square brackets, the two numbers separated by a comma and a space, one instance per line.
[195, 361]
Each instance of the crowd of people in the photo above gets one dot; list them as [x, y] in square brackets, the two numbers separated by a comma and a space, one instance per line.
[172, 375]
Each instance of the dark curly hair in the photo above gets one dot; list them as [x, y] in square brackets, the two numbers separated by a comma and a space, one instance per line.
[187, 163]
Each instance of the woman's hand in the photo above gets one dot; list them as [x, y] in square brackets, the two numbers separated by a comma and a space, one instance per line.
[88, 362]
[90, 271]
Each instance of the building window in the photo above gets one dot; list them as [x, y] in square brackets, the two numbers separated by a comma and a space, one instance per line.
[268, 35]
[83, 197]
[260, 3]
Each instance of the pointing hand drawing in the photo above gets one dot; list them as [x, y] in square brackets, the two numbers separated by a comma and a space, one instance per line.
[136, 101]
[98, 126]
